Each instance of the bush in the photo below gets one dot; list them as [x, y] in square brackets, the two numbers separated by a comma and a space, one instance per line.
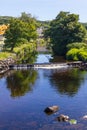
[77, 54]
[26, 53]
[72, 54]
[82, 55]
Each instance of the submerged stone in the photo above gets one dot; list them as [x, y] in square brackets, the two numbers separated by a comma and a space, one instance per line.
[62, 117]
[52, 109]
[85, 117]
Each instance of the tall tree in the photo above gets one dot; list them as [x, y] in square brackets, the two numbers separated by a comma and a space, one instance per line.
[26, 17]
[65, 29]
[17, 30]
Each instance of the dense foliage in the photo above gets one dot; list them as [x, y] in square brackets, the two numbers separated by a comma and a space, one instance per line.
[77, 51]
[20, 39]
[20, 28]
[64, 29]
[26, 53]
[72, 54]
[64, 35]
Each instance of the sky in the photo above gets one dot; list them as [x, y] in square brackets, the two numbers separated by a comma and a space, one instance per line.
[44, 9]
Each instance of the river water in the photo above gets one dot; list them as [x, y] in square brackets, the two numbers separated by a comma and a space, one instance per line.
[24, 94]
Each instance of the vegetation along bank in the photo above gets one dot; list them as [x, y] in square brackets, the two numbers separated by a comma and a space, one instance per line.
[64, 36]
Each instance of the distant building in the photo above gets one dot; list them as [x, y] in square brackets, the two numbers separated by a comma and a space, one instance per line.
[40, 32]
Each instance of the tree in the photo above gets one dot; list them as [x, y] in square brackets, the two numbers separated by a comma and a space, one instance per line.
[64, 29]
[17, 30]
[27, 18]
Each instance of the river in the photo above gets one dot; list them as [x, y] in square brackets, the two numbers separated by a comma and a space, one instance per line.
[24, 94]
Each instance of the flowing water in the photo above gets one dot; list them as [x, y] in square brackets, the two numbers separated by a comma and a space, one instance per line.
[24, 94]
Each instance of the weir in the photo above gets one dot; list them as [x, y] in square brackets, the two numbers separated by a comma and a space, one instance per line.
[5, 65]
[39, 65]
[77, 64]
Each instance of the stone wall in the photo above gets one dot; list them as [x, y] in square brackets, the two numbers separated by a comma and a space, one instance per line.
[4, 64]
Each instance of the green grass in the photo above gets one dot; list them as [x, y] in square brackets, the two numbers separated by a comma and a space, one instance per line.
[4, 55]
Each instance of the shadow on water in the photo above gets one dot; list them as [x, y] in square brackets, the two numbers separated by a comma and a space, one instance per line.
[20, 82]
[57, 59]
[66, 81]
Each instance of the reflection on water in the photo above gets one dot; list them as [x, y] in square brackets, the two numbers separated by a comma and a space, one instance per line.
[38, 89]
[21, 82]
[60, 59]
[68, 82]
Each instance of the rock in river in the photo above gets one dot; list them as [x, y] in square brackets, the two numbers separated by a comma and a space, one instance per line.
[52, 109]
[62, 117]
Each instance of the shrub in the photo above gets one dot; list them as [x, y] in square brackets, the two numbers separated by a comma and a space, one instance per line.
[72, 54]
[77, 54]
[26, 52]
[82, 55]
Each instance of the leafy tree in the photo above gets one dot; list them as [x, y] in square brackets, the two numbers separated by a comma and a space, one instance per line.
[27, 18]
[19, 29]
[64, 29]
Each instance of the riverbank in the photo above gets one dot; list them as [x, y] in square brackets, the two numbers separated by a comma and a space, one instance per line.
[4, 64]
[10, 64]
